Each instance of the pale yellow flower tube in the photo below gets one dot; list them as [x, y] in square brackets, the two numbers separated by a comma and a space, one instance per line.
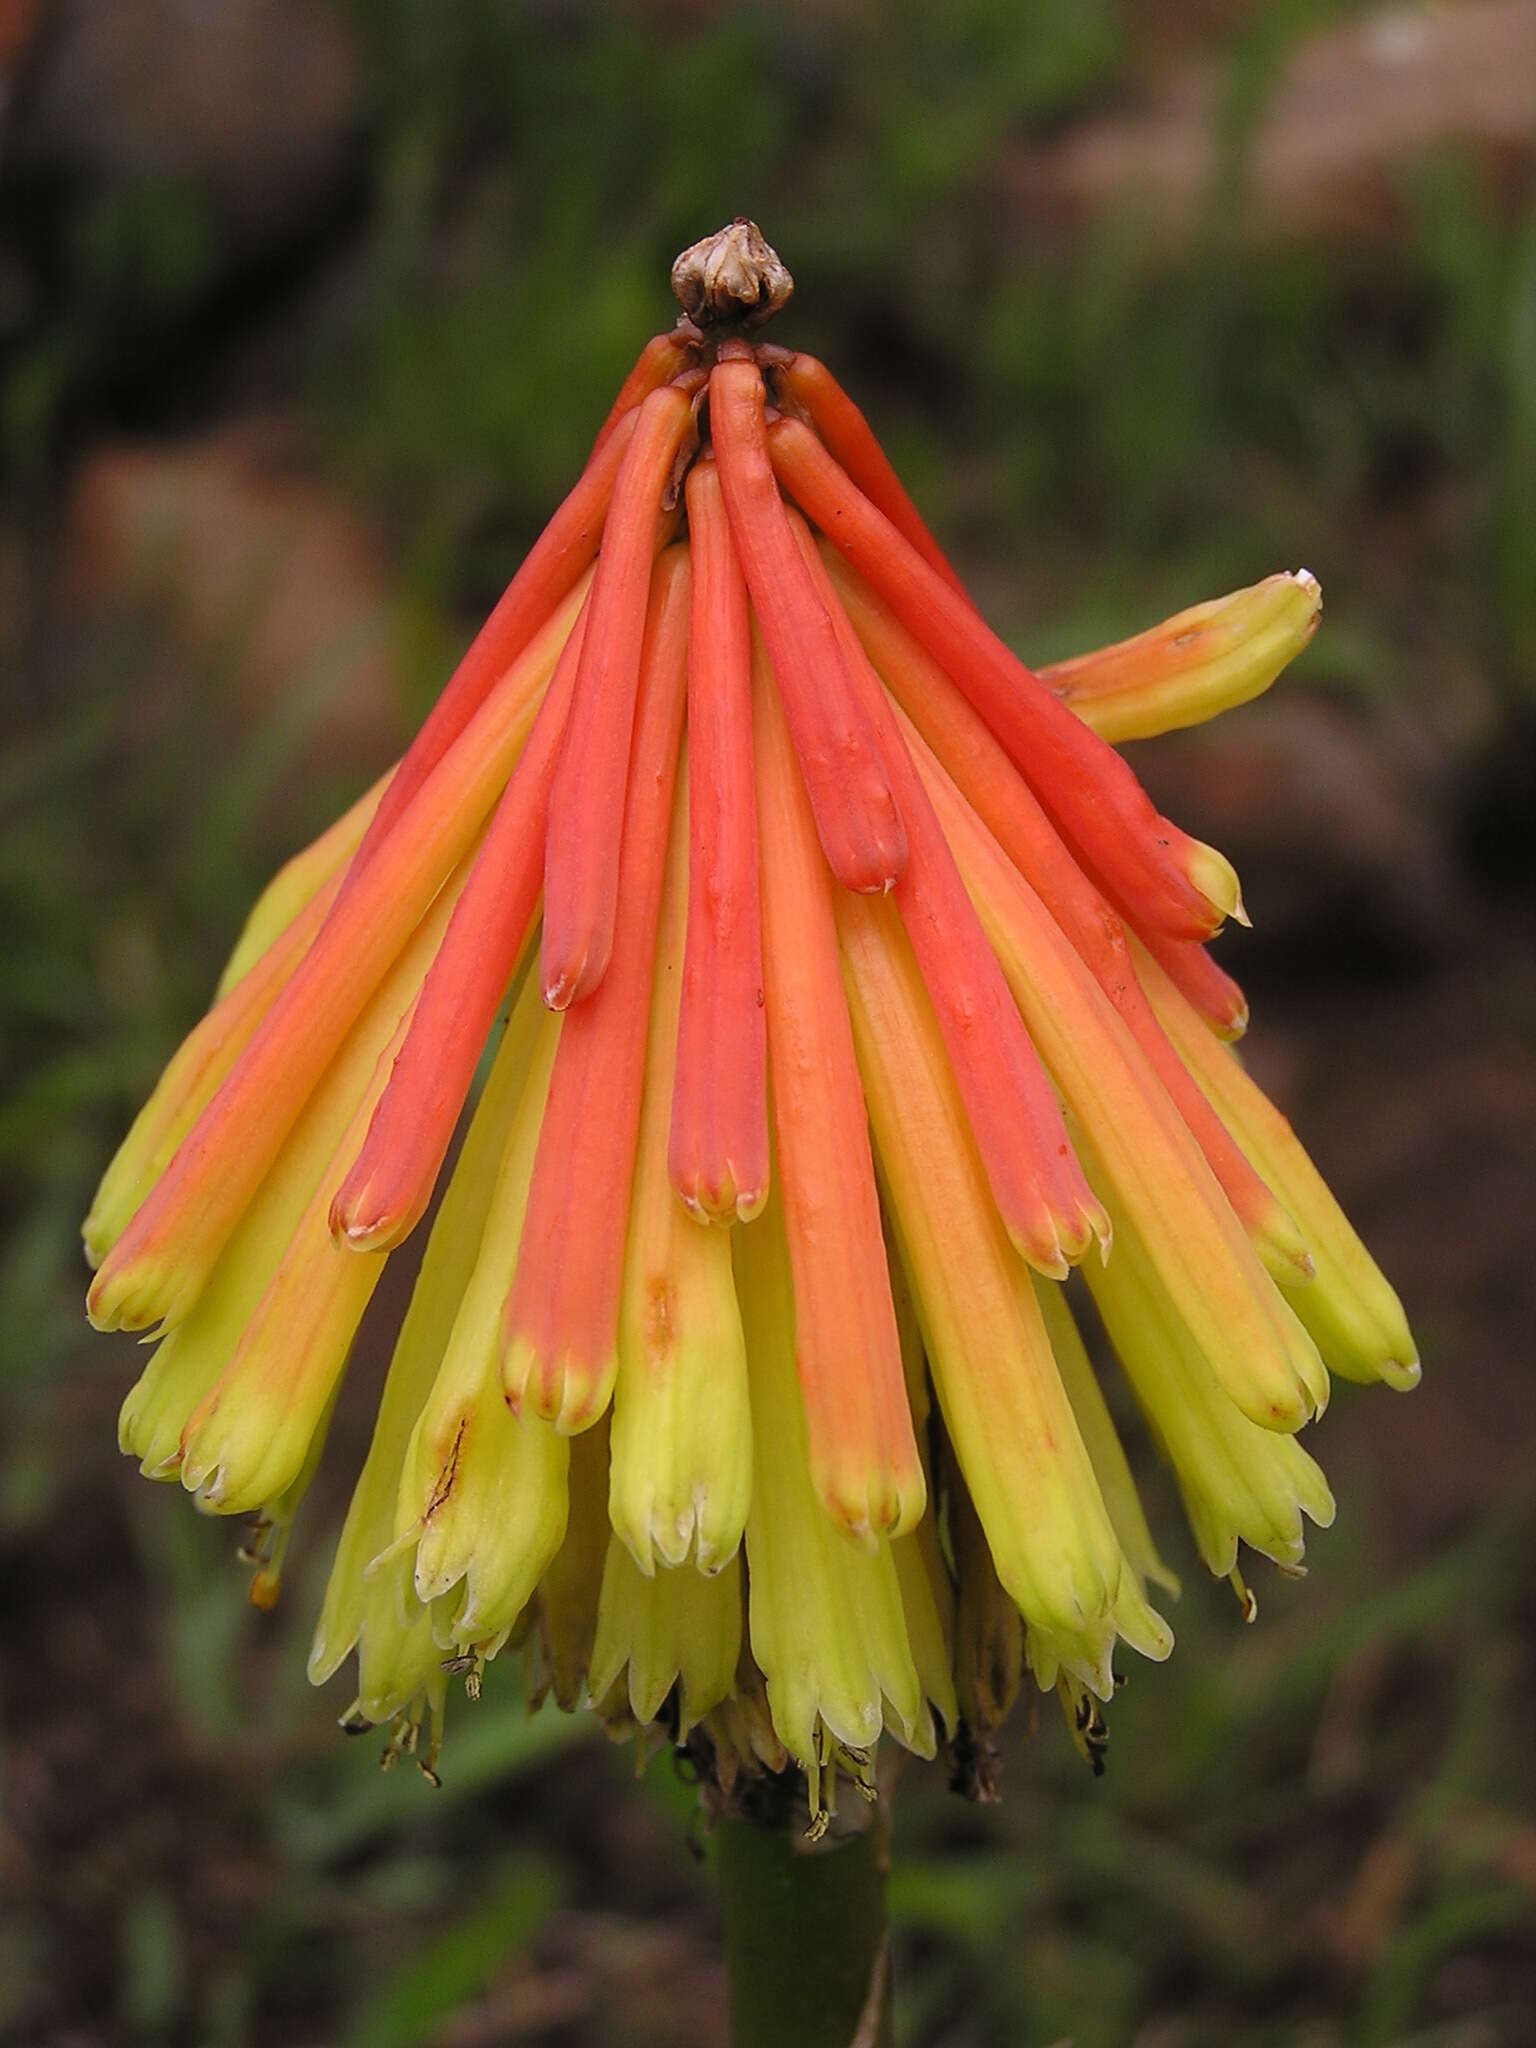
[1349, 1307]
[1240, 1483]
[681, 1472]
[373, 1610]
[1008, 1416]
[826, 1617]
[674, 1627]
[1199, 663]
[188, 1361]
[482, 1494]
[1149, 1158]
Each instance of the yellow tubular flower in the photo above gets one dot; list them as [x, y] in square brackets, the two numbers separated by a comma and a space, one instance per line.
[1195, 665]
[1105, 1451]
[570, 1588]
[1267, 1363]
[927, 1593]
[187, 1364]
[682, 1433]
[826, 1617]
[1349, 1308]
[362, 1603]
[483, 1495]
[671, 1627]
[1240, 1483]
[1007, 1415]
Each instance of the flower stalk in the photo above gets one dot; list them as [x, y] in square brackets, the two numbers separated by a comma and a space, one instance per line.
[788, 1981]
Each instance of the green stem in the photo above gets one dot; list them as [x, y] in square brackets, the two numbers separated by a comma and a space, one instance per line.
[806, 1937]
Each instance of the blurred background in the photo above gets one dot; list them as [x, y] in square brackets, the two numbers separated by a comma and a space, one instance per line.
[307, 313]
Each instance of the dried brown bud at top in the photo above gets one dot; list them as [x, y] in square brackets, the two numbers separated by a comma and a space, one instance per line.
[733, 275]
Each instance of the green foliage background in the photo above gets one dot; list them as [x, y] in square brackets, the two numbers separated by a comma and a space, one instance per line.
[1320, 1832]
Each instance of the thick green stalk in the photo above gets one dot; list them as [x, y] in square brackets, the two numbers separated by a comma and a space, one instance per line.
[806, 1937]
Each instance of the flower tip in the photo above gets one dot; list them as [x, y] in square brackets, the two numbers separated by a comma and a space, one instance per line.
[1037, 1240]
[354, 1229]
[876, 869]
[710, 1557]
[1284, 1252]
[1059, 1241]
[132, 1297]
[97, 1308]
[1402, 1375]
[866, 1505]
[638, 1536]
[1214, 876]
[723, 1199]
[560, 1389]
[571, 980]
[1103, 1231]
[672, 1537]
[398, 1546]
[1285, 1416]
[205, 1478]
[560, 991]
[582, 1402]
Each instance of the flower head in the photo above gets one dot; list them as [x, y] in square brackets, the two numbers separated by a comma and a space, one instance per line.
[845, 991]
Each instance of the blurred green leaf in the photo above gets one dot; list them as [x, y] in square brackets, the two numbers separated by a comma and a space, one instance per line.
[458, 1964]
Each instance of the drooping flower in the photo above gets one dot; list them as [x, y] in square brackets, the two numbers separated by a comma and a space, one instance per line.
[843, 991]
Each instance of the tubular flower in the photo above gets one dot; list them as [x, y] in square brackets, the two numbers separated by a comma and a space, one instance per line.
[837, 990]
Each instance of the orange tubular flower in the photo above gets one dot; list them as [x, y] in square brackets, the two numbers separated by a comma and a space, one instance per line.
[863, 1453]
[157, 1268]
[1007, 807]
[1184, 887]
[857, 821]
[561, 1324]
[718, 1153]
[1047, 1207]
[844, 1470]
[390, 1183]
[1197, 977]
[581, 853]
[847, 434]
[664, 357]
